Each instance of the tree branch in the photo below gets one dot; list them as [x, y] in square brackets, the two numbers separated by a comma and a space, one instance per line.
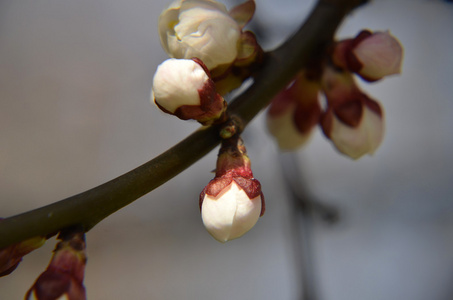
[89, 208]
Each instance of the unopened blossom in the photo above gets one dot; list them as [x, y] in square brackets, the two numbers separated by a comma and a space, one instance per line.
[11, 256]
[370, 55]
[202, 29]
[294, 113]
[353, 121]
[63, 278]
[183, 87]
[232, 202]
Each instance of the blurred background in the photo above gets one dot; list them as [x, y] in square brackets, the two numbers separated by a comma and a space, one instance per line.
[75, 79]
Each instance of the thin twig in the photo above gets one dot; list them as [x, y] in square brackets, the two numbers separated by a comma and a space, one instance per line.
[89, 208]
[304, 210]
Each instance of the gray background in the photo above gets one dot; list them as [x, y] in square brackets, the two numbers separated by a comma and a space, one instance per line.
[75, 78]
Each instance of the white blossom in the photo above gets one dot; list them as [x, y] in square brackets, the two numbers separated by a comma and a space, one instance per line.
[201, 29]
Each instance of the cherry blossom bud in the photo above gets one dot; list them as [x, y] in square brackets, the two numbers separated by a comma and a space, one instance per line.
[232, 202]
[183, 87]
[202, 29]
[63, 278]
[370, 55]
[294, 112]
[11, 256]
[352, 121]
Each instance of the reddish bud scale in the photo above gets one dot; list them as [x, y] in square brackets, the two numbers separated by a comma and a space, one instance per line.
[307, 116]
[64, 275]
[211, 109]
[303, 94]
[347, 48]
[11, 256]
[349, 112]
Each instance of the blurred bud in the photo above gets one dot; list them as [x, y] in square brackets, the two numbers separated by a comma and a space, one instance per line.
[352, 121]
[63, 278]
[11, 256]
[202, 29]
[183, 87]
[294, 112]
[232, 202]
[370, 55]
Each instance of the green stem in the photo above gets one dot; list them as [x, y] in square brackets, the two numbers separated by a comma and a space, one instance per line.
[89, 208]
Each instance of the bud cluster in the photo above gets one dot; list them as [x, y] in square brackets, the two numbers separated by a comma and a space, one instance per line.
[350, 119]
[210, 56]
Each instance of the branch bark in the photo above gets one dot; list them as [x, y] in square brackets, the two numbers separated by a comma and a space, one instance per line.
[280, 66]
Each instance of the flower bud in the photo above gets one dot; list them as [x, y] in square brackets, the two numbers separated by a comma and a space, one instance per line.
[202, 29]
[63, 278]
[294, 112]
[370, 55]
[352, 121]
[11, 256]
[232, 202]
[183, 87]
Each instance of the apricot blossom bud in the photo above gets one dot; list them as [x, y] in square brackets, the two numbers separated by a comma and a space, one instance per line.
[202, 29]
[63, 278]
[352, 121]
[232, 202]
[370, 55]
[294, 113]
[183, 87]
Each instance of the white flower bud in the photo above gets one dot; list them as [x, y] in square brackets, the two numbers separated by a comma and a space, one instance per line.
[201, 29]
[183, 88]
[370, 55]
[231, 213]
[177, 82]
[381, 55]
[232, 202]
[362, 139]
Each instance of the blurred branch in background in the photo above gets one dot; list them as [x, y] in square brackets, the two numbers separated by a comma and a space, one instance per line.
[304, 209]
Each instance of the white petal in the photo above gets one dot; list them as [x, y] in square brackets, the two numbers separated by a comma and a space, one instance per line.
[202, 29]
[177, 82]
[361, 140]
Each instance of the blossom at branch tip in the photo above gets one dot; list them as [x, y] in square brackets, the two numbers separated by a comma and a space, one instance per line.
[183, 87]
[294, 113]
[353, 121]
[370, 55]
[63, 278]
[11, 256]
[232, 202]
[203, 29]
